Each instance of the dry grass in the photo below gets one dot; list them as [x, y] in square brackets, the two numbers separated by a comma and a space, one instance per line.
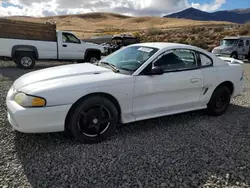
[86, 25]
[204, 37]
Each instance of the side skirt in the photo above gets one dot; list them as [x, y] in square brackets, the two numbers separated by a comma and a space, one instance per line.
[161, 114]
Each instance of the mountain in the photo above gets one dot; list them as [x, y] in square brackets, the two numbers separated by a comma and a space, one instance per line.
[237, 16]
[99, 23]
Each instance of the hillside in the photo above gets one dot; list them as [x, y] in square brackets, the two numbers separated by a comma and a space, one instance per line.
[237, 16]
[86, 25]
[241, 11]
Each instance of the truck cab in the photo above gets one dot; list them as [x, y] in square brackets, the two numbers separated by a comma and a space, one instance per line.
[70, 47]
[235, 47]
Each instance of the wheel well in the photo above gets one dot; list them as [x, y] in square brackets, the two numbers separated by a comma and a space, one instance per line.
[17, 53]
[229, 85]
[234, 52]
[108, 96]
[19, 49]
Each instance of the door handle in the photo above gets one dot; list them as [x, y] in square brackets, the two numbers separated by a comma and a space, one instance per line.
[195, 80]
[64, 45]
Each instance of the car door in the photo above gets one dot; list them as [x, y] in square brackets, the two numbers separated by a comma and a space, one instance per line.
[178, 89]
[71, 47]
[242, 47]
[248, 47]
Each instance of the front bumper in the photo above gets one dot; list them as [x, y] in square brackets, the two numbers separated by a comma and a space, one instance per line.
[36, 120]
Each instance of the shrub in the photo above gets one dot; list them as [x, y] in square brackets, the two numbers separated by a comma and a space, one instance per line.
[154, 31]
[199, 43]
[137, 34]
[218, 29]
[181, 40]
[245, 29]
[243, 32]
[197, 30]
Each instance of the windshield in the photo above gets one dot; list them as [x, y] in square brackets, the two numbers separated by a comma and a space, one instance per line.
[229, 42]
[130, 58]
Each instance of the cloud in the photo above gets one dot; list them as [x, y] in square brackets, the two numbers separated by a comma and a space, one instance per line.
[129, 7]
[213, 6]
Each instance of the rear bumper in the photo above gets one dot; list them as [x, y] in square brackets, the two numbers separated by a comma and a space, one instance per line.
[37, 120]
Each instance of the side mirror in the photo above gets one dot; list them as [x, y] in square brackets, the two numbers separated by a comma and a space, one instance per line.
[156, 71]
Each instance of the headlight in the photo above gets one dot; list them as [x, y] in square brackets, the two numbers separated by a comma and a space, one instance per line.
[29, 101]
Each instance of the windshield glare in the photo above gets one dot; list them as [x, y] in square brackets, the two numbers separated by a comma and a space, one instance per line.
[229, 42]
[130, 58]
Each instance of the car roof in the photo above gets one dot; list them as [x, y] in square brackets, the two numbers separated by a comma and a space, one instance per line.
[167, 45]
[163, 45]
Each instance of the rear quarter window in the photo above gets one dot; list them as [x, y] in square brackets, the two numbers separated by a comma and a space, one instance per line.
[205, 60]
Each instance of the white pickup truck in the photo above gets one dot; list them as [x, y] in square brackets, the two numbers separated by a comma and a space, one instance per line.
[67, 48]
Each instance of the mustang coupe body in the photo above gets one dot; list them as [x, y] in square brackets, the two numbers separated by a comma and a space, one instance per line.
[138, 82]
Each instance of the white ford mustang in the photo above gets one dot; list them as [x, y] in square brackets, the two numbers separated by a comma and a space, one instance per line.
[137, 82]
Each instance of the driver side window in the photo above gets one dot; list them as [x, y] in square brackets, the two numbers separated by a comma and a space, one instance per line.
[180, 59]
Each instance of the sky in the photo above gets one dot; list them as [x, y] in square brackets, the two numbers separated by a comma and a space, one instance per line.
[127, 7]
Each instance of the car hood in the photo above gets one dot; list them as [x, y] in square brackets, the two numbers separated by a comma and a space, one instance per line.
[59, 74]
[94, 46]
[223, 47]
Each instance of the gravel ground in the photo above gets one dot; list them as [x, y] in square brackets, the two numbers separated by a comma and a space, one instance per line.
[187, 150]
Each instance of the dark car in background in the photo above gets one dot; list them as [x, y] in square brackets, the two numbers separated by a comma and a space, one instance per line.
[111, 43]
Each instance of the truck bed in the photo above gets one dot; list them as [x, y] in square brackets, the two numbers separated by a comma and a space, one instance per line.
[16, 29]
[47, 49]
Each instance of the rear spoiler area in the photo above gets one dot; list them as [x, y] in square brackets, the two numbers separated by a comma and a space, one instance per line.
[232, 60]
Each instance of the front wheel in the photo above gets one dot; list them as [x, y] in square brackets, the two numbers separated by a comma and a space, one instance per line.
[219, 101]
[234, 55]
[93, 120]
[93, 58]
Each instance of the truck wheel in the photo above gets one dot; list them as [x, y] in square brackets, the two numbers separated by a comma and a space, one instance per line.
[26, 61]
[234, 55]
[93, 57]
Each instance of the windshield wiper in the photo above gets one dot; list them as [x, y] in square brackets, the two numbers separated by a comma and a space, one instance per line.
[111, 65]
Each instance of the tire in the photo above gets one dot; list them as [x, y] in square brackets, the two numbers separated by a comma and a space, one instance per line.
[25, 61]
[93, 57]
[84, 121]
[234, 55]
[219, 101]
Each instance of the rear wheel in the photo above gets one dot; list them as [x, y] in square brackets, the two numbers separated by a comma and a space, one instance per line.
[93, 120]
[219, 101]
[25, 60]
